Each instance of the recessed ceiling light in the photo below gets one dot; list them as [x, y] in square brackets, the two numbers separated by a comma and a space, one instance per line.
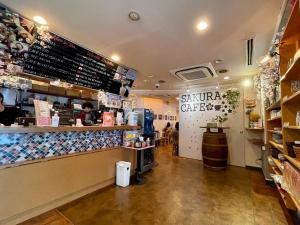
[247, 83]
[177, 98]
[146, 80]
[40, 20]
[226, 78]
[115, 58]
[218, 61]
[150, 76]
[222, 70]
[134, 16]
[202, 25]
[217, 87]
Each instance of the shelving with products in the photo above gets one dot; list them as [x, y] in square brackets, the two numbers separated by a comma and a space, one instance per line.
[283, 116]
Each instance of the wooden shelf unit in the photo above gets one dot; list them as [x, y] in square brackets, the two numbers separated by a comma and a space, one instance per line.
[292, 72]
[275, 132]
[276, 145]
[286, 197]
[292, 127]
[290, 102]
[261, 129]
[275, 118]
[275, 105]
[277, 163]
[294, 98]
[293, 161]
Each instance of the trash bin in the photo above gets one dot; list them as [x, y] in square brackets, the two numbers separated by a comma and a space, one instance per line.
[123, 173]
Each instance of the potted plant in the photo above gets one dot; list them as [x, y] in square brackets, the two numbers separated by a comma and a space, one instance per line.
[220, 120]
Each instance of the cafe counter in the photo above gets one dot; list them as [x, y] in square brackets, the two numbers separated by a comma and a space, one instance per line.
[27, 144]
[45, 167]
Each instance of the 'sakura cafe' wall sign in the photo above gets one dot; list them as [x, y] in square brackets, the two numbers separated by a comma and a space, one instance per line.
[201, 101]
[222, 103]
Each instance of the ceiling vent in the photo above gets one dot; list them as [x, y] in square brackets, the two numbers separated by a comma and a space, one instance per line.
[194, 73]
[249, 56]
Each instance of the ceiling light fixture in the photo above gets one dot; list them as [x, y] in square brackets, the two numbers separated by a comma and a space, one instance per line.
[222, 70]
[202, 25]
[265, 59]
[40, 20]
[115, 58]
[218, 61]
[134, 16]
[177, 98]
[247, 83]
[226, 78]
[150, 76]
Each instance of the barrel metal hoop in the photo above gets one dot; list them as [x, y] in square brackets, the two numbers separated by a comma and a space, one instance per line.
[216, 168]
[214, 159]
[214, 145]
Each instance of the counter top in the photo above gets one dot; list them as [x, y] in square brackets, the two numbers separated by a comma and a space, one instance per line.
[35, 129]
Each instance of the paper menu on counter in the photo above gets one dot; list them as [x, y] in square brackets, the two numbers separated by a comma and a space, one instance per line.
[42, 113]
[108, 119]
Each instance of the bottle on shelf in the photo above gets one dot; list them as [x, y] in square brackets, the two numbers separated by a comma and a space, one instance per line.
[298, 118]
[55, 120]
[148, 142]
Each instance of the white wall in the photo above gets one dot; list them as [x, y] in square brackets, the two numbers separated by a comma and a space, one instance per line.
[190, 133]
[159, 106]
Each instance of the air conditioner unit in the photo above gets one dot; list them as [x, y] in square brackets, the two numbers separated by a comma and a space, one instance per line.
[194, 73]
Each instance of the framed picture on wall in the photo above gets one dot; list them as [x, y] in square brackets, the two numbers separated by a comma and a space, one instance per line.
[160, 117]
[166, 117]
[155, 116]
[175, 118]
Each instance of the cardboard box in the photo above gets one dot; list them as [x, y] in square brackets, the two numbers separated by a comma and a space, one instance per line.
[73, 93]
[57, 90]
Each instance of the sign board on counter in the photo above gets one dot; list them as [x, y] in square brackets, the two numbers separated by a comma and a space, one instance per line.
[108, 119]
[42, 113]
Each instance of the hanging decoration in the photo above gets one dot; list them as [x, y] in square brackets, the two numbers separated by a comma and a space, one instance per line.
[59, 83]
[102, 98]
[267, 81]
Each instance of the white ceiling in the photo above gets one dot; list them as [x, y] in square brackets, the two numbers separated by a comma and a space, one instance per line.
[165, 38]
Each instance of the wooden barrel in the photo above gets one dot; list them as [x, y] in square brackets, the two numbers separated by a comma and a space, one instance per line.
[215, 150]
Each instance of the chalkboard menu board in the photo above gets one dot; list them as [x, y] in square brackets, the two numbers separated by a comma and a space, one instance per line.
[48, 55]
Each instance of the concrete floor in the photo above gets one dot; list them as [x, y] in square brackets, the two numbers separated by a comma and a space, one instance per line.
[180, 191]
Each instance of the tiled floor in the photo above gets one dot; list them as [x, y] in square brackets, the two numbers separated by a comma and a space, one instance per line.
[180, 191]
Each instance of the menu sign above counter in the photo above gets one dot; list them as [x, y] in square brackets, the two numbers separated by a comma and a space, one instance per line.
[48, 55]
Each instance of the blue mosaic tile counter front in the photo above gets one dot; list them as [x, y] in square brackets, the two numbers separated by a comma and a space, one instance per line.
[20, 147]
